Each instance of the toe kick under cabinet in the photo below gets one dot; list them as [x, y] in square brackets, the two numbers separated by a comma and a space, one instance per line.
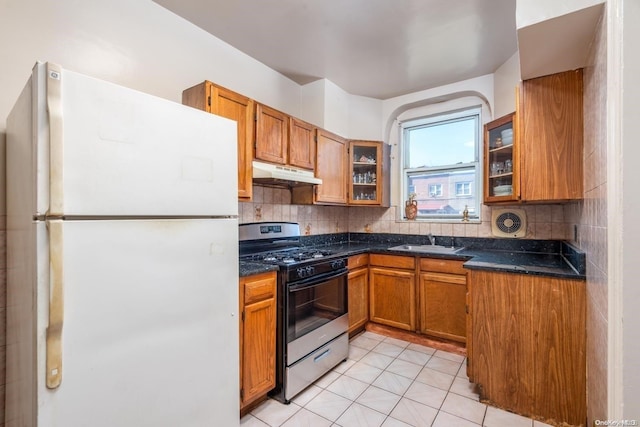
[529, 344]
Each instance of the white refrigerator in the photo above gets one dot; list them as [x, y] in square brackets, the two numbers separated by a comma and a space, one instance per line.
[122, 287]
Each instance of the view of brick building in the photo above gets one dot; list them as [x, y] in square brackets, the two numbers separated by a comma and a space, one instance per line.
[444, 193]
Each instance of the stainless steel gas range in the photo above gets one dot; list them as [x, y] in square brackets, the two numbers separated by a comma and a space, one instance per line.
[312, 318]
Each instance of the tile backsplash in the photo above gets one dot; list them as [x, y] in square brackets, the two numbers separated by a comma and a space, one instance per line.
[274, 204]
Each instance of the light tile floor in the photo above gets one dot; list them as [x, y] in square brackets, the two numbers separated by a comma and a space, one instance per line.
[391, 383]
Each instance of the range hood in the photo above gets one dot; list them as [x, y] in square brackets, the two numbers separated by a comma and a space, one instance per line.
[266, 173]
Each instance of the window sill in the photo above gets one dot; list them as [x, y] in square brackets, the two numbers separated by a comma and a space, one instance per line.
[440, 221]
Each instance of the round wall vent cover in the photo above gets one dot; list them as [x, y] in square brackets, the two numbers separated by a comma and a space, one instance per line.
[508, 223]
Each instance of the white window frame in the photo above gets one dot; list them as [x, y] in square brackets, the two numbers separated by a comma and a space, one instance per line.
[476, 165]
[464, 185]
[435, 190]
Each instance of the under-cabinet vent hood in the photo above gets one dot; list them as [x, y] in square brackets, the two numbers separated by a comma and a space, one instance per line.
[267, 173]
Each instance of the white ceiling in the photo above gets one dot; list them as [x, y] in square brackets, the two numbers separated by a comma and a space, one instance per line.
[373, 48]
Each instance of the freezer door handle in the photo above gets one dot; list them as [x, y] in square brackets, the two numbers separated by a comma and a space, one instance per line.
[56, 305]
[56, 138]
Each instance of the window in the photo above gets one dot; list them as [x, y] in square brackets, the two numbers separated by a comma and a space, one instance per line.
[463, 188]
[441, 164]
[435, 190]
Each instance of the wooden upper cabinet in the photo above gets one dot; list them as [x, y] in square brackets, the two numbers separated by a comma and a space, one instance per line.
[501, 160]
[331, 167]
[226, 103]
[272, 135]
[552, 138]
[302, 144]
[543, 160]
[365, 172]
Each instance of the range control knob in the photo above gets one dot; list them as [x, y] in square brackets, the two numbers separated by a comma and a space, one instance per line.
[305, 271]
[339, 263]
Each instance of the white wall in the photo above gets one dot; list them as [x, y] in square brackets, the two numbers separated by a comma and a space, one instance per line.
[137, 44]
[628, 165]
[505, 80]
[325, 104]
[365, 116]
[482, 87]
[529, 12]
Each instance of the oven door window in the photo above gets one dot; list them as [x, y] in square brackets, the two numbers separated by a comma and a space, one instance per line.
[313, 305]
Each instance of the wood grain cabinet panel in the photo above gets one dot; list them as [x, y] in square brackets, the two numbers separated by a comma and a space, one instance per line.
[302, 144]
[223, 102]
[331, 167]
[257, 336]
[560, 341]
[502, 340]
[272, 135]
[358, 297]
[392, 297]
[546, 153]
[529, 343]
[443, 299]
[552, 137]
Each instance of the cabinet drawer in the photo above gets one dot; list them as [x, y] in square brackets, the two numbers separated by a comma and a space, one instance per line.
[442, 265]
[259, 287]
[357, 261]
[455, 279]
[392, 261]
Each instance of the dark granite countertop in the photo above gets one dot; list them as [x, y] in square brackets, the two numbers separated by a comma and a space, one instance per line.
[550, 258]
[248, 268]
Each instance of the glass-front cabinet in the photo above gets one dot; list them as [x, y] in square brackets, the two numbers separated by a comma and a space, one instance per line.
[501, 164]
[365, 166]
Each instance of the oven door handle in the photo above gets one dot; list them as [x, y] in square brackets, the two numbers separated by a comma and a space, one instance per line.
[312, 281]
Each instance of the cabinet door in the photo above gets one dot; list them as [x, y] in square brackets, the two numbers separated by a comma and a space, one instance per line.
[552, 139]
[258, 364]
[302, 144]
[501, 160]
[365, 172]
[358, 298]
[442, 305]
[257, 336]
[392, 297]
[236, 107]
[560, 341]
[503, 354]
[331, 167]
[271, 135]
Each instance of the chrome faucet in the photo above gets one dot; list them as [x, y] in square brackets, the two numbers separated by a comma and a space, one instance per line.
[432, 239]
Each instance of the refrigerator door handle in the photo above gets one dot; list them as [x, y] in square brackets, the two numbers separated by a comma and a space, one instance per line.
[56, 305]
[56, 135]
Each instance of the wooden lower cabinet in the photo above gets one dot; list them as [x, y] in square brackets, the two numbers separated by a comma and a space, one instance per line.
[358, 292]
[529, 343]
[443, 299]
[257, 336]
[392, 291]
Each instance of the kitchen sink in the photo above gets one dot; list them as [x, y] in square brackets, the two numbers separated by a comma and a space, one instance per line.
[426, 248]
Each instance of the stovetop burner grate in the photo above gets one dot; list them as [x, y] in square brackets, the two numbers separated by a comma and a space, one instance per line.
[290, 256]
